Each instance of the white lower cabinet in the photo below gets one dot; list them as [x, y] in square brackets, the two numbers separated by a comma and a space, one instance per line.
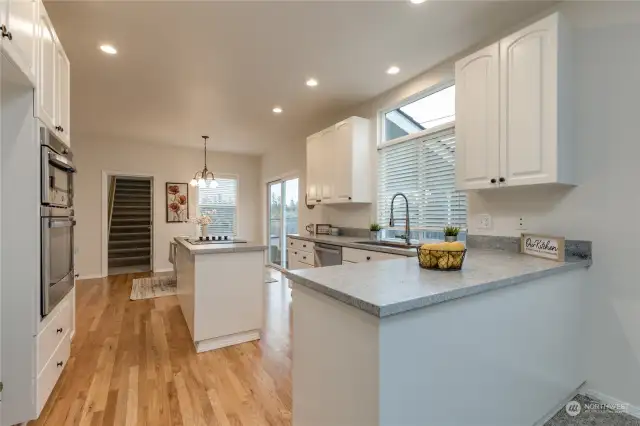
[52, 370]
[360, 256]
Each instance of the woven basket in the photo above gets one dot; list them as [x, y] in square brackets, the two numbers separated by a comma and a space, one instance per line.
[441, 260]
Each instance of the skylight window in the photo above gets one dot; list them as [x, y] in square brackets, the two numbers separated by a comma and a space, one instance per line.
[428, 112]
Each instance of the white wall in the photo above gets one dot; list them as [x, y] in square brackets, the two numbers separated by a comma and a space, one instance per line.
[605, 108]
[165, 164]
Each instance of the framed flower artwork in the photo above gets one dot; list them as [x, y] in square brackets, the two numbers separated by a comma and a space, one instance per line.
[177, 202]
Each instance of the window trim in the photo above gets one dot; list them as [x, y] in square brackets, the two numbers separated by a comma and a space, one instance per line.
[406, 101]
[224, 176]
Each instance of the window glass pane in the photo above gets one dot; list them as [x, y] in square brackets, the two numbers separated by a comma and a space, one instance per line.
[221, 205]
[428, 112]
[424, 170]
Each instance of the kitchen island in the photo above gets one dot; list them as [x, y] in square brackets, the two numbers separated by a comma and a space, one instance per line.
[221, 291]
[388, 343]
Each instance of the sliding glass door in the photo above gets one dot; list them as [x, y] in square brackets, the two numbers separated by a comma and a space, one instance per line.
[282, 218]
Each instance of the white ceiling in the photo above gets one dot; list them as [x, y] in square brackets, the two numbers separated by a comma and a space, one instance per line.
[185, 69]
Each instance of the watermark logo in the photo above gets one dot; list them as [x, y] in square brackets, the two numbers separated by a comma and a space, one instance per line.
[573, 408]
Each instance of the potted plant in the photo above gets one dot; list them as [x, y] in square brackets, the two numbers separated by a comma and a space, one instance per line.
[374, 232]
[451, 233]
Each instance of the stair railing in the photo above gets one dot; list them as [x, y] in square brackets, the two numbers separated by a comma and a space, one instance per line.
[112, 196]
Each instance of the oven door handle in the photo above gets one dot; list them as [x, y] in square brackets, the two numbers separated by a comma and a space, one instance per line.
[66, 223]
[61, 162]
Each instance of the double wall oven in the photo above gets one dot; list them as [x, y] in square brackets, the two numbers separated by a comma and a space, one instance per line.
[57, 220]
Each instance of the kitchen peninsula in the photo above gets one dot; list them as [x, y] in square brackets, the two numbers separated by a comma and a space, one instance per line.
[220, 289]
[387, 343]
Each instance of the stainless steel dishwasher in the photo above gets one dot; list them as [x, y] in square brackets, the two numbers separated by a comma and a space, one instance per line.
[327, 255]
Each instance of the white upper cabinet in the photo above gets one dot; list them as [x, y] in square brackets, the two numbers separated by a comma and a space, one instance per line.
[53, 81]
[339, 163]
[18, 27]
[63, 94]
[313, 169]
[523, 102]
[477, 125]
[46, 85]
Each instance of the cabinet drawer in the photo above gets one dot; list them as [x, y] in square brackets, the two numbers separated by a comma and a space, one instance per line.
[52, 370]
[358, 256]
[51, 336]
[304, 257]
[294, 264]
[300, 245]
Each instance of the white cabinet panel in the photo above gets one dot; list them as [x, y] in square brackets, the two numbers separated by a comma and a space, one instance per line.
[477, 125]
[327, 146]
[19, 19]
[529, 70]
[46, 87]
[52, 371]
[361, 256]
[63, 95]
[343, 161]
[314, 168]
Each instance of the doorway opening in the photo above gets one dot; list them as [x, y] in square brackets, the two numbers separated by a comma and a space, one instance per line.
[282, 219]
[129, 224]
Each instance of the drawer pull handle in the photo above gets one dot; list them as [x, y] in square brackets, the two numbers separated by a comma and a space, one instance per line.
[368, 257]
[59, 364]
[304, 257]
[59, 331]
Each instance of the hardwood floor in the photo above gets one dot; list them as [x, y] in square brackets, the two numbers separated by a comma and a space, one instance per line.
[133, 363]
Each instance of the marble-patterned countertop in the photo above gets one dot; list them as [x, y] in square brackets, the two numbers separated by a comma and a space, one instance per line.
[352, 243]
[220, 248]
[391, 287]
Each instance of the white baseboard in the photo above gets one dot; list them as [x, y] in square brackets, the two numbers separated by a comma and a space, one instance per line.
[224, 341]
[632, 410]
[163, 270]
[90, 277]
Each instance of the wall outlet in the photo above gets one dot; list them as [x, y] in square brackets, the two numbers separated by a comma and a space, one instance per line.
[484, 221]
[522, 224]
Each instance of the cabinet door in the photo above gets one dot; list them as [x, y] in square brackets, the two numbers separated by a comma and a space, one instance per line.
[477, 119]
[313, 168]
[62, 94]
[342, 155]
[20, 19]
[327, 164]
[46, 88]
[528, 87]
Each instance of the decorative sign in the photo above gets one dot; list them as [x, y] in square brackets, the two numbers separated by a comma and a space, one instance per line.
[543, 246]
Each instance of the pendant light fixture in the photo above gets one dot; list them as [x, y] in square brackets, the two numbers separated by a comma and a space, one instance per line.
[204, 177]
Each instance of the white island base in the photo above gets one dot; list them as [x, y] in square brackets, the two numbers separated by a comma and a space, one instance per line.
[502, 358]
[221, 293]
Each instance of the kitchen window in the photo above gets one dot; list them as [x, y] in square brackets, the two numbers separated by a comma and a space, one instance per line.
[420, 162]
[221, 204]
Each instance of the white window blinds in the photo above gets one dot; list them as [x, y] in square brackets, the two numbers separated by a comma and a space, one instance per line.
[224, 200]
[424, 170]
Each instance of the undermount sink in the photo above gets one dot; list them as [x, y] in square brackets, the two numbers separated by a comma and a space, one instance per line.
[387, 244]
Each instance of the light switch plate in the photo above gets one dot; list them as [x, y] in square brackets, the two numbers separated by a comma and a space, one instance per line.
[484, 221]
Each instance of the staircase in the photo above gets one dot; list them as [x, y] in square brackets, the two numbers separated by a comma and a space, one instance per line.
[130, 226]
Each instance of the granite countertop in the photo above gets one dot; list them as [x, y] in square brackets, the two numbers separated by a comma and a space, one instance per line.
[390, 287]
[351, 242]
[220, 248]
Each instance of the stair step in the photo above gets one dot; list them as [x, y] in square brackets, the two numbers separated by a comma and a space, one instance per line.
[127, 236]
[128, 207]
[132, 190]
[131, 197]
[116, 244]
[125, 227]
[130, 219]
[124, 251]
[129, 261]
[130, 213]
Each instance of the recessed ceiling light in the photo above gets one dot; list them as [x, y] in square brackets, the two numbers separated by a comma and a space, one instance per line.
[393, 70]
[312, 82]
[107, 48]
[417, 1]
[277, 110]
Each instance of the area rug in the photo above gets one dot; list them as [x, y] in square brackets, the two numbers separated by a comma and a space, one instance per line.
[148, 288]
